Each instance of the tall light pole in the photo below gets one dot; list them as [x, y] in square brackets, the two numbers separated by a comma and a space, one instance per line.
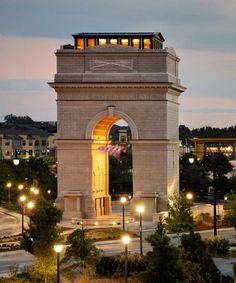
[189, 197]
[123, 201]
[126, 240]
[140, 210]
[9, 185]
[30, 205]
[58, 248]
[214, 204]
[22, 200]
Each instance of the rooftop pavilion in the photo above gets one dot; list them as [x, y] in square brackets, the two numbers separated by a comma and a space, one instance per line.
[139, 40]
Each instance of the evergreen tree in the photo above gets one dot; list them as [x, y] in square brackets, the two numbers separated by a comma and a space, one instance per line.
[198, 263]
[163, 264]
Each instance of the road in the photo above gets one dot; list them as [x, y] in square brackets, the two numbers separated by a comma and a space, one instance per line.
[20, 258]
[10, 223]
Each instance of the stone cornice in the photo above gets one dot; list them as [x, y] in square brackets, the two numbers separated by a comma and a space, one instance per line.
[173, 86]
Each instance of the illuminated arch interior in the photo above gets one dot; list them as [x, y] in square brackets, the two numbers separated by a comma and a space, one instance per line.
[100, 164]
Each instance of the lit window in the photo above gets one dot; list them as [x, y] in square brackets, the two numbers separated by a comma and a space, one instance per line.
[113, 41]
[135, 42]
[125, 41]
[91, 42]
[80, 43]
[102, 41]
[147, 43]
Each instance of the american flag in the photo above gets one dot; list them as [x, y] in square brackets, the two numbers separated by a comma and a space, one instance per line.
[113, 150]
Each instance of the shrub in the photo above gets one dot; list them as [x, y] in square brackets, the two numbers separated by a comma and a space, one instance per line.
[217, 246]
[115, 265]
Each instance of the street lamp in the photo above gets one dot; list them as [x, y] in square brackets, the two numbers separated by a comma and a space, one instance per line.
[16, 161]
[189, 197]
[123, 201]
[140, 210]
[58, 248]
[22, 200]
[126, 240]
[20, 187]
[9, 184]
[30, 205]
[214, 204]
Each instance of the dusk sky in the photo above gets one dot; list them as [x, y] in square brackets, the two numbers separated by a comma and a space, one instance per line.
[203, 33]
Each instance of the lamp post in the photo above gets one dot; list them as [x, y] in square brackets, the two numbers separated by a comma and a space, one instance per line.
[20, 187]
[9, 185]
[214, 204]
[189, 197]
[123, 201]
[16, 161]
[140, 210]
[30, 205]
[58, 248]
[22, 200]
[126, 240]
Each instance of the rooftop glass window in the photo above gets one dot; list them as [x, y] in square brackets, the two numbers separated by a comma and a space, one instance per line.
[125, 41]
[136, 42]
[147, 43]
[80, 43]
[102, 41]
[91, 42]
[113, 41]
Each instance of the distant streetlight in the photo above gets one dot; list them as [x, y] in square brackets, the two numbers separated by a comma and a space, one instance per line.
[22, 200]
[123, 201]
[189, 197]
[58, 248]
[9, 185]
[191, 159]
[36, 191]
[16, 161]
[30, 205]
[32, 189]
[140, 210]
[20, 187]
[126, 240]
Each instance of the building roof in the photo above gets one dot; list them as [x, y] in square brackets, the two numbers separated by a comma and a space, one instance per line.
[202, 140]
[119, 34]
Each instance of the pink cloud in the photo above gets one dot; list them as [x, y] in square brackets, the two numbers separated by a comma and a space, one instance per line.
[200, 119]
[28, 57]
[207, 102]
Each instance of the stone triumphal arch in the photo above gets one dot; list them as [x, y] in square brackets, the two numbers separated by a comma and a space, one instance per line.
[103, 78]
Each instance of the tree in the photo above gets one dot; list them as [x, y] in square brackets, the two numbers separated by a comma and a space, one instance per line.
[42, 232]
[179, 218]
[163, 264]
[81, 249]
[13, 119]
[219, 165]
[42, 235]
[232, 184]
[230, 214]
[198, 263]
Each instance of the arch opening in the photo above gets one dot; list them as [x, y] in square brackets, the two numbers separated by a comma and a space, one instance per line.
[111, 162]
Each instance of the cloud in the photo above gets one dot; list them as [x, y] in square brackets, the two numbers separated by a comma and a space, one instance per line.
[185, 24]
[28, 58]
[199, 111]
